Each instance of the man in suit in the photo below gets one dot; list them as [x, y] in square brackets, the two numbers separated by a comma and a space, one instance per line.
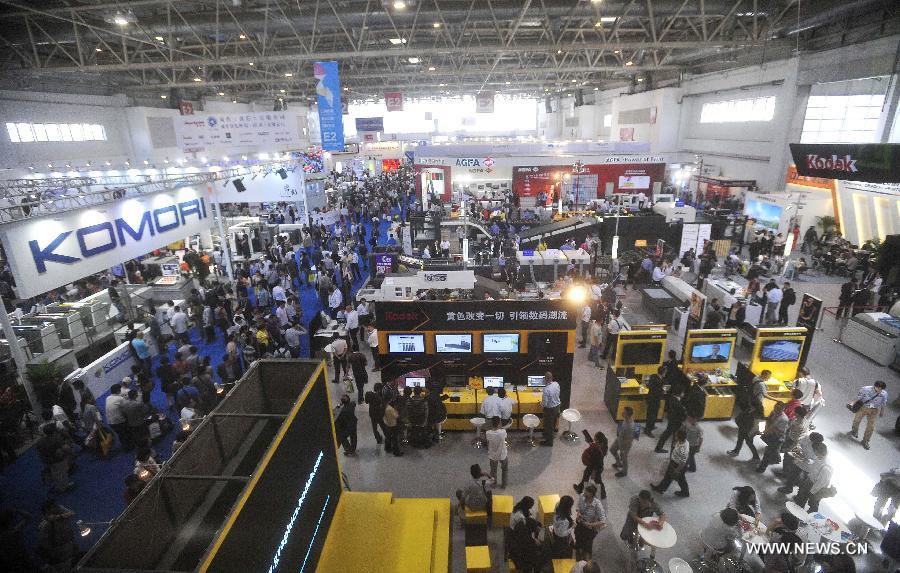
[845, 300]
[788, 298]
[675, 415]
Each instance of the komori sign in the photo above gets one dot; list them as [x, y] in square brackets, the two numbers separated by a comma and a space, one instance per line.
[47, 252]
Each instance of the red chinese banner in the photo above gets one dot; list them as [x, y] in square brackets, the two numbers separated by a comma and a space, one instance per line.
[393, 101]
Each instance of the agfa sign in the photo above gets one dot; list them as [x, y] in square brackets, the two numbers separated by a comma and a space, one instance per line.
[48, 252]
[487, 162]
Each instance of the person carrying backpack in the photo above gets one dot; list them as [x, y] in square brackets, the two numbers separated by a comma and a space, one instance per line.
[592, 457]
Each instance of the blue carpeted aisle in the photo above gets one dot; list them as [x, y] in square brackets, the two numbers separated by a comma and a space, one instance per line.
[98, 495]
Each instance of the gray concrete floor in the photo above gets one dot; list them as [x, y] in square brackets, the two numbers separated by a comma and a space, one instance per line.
[438, 471]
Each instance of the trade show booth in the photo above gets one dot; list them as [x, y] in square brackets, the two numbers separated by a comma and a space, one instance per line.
[463, 346]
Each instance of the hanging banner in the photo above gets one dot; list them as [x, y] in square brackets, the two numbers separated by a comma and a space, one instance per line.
[808, 317]
[328, 94]
[373, 124]
[186, 107]
[48, 252]
[873, 163]
[267, 129]
[484, 102]
[393, 101]
[267, 186]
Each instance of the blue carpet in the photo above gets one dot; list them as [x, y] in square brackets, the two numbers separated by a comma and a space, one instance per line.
[98, 495]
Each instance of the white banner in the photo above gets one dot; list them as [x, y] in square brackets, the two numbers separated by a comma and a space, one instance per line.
[266, 187]
[266, 128]
[48, 252]
[484, 102]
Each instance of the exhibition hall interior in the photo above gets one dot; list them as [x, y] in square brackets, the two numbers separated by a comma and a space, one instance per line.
[450, 286]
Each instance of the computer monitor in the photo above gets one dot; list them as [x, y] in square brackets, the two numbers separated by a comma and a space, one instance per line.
[414, 381]
[406, 343]
[710, 351]
[500, 342]
[493, 381]
[780, 351]
[456, 380]
[453, 343]
[537, 381]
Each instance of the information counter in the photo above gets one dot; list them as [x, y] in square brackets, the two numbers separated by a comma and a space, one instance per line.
[465, 404]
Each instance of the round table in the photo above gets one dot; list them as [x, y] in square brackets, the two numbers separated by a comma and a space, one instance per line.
[820, 522]
[797, 511]
[868, 520]
[658, 538]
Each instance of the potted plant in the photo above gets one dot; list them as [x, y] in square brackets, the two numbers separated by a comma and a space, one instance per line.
[45, 378]
[828, 224]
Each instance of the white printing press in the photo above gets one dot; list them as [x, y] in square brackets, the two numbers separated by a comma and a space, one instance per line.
[875, 335]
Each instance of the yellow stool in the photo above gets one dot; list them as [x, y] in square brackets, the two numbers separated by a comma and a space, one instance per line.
[478, 559]
[501, 509]
[475, 516]
[547, 507]
[563, 565]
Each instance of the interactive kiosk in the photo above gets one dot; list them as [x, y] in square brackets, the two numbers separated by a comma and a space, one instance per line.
[778, 350]
[710, 351]
[463, 347]
[639, 353]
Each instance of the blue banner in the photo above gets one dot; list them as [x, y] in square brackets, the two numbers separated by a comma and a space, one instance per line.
[369, 124]
[328, 93]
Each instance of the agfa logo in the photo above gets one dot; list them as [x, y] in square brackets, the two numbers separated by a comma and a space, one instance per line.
[488, 162]
[467, 162]
[212, 121]
[833, 163]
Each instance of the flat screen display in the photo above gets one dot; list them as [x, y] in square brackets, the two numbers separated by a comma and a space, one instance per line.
[710, 352]
[500, 342]
[406, 343]
[493, 381]
[780, 351]
[410, 382]
[449, 343]
[641, 353]
[766, 215]
[536, 381]
[456, 380]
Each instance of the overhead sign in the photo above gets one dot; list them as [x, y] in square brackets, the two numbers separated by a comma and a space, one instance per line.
[432, 161]
[873, 163]
[369, 124]
[487, 315]
[48, 252]
[251, 129]
[328, 94]
[484, 102]
[267, 186]
[393, 101]
[794, 178]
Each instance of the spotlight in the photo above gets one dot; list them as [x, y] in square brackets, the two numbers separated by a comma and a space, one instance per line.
[239, 185]
[282, 173]
[83, 529]
[577, 294]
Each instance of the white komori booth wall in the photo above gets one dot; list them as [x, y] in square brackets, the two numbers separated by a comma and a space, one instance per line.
[110, 368]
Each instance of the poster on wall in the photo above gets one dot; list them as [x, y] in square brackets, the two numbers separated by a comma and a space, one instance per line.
[626, 177]
[269, 128]
[186, 107]
[766, 215]
[374, 124]
[328, 96]
[871, 162]
[48, 252]
[268, 187]
[626, 134]
[393, 101]
[484, 102]
[630, 182]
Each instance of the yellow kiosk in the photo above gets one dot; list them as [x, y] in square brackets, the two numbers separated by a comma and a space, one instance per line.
[778, 350]
[710, 351]
[639, 353]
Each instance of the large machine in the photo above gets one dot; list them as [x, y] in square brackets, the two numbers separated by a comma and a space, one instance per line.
[875, 335]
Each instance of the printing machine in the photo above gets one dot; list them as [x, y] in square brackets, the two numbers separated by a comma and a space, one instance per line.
[660, 301]
[68, 323]
[729, 292]
[537, 261]
[41, 338]
[94, 313]
[875, 335]
[4, 347]
[406, 286]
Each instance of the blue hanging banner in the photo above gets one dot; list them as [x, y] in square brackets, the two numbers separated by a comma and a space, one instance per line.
[328, 93]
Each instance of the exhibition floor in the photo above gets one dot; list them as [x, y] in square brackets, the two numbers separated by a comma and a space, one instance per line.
[440, 470]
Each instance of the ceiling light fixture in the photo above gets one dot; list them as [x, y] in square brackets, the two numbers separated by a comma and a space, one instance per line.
[98, 49]
[399, 5]
[414, 60]
[436, 25]
[163, 96]
[397, 41]
[282, 91]
[159, 38]
[221, 93]
[629, 63]
[430, 68]
[640, 79]
[607, 19]
[242, 37]
[198, 79]
[288, 75]
[249, 63]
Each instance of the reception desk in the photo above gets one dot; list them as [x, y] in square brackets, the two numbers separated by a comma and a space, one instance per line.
[465, 404]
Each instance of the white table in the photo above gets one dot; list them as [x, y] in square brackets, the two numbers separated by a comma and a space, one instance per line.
[868, 520]
[820, 522]
[658, 538]
[797, 511]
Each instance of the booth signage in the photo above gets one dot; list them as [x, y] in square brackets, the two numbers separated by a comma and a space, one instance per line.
[250, 129]
[793, 178]
[369, 124]
[431, 161]
[48, 252]
[328, 92]
[874, 163]
[477, 315]
[808, 317]
[384, 262]
[393, 101]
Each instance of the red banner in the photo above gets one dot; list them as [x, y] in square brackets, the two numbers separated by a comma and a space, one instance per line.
[393, 101]
[530, 181]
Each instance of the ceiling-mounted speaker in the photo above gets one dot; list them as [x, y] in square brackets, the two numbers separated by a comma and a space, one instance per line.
[282, 173]
[579, 98]
[548, 106]
[239, 185]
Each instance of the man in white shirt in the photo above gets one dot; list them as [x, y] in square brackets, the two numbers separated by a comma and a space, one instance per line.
[811, 392]
[818, 481]
[445, 249]
[505, 405]
[281, 314]
[773, 299]
[334, 300]
[352, 318]
[873, 400]
[278, 293]
[292, 338]
[179, 324]
[490, 408]
[550, 402]
[115, 418]
[497, 451]
[613, 328]
[722, 530]
[585, 324]
[372, 340]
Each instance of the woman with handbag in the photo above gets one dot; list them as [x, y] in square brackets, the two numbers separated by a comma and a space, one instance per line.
[523, 540]
[97, 436]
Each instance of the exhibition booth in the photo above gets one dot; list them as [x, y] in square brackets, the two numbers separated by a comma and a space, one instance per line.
[258, 486]
[465, 347]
